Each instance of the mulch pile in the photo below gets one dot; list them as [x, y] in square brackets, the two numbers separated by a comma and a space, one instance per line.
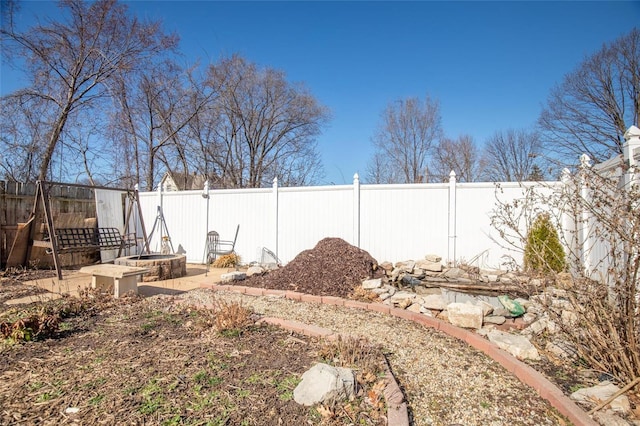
[332, 268]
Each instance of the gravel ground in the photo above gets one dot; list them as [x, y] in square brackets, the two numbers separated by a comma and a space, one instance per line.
[445, 381]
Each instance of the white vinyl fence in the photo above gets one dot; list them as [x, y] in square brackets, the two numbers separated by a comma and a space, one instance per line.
[391, 222]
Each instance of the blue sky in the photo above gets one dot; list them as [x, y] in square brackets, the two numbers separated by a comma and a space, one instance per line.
[490, 64]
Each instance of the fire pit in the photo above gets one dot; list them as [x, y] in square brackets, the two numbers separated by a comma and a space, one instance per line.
[161, 266]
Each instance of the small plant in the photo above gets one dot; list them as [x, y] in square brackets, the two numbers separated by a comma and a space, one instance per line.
[43, 397]
[543, 251]
[200, 376]
[230, 317]
[286, 386]
[26, 325]
[96, 400]
[153, 399]
[226, 261]
[353, 352]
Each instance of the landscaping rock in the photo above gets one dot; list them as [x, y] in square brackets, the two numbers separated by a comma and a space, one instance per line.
[609, 418]
[406, 266]
[255, 270]
[529, 317]
[494, 319]
[454, 273]
[502, 312]
[233, 276]
[465, 315]
[487, 308]
[434, 301]
[324, 383]
[427, 265]
[433, 258]
[490, 278]
[600, 393]
[387, 266]
[517, 345]
[372, 283]
[395, 274]
[415, 307]
[400, 297]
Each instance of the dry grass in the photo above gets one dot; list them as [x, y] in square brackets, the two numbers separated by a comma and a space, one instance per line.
[226, 261]
[363, 295]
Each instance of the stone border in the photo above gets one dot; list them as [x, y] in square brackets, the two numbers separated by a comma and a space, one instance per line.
[526, 374]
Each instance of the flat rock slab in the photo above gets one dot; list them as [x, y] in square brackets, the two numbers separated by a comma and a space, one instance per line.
[465, 315]
[516, 345]
[113, 271]
[233, 276]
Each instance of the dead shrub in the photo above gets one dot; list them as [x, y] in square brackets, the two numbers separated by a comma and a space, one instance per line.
[43, 318]
[356, 353]
[363, 295]
[27, 325]
[597, 307]
[226, 261]
[231, 316]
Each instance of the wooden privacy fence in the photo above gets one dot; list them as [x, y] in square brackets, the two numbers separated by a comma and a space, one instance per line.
[70, 205]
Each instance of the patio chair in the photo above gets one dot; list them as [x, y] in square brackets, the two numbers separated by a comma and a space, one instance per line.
[217, 247]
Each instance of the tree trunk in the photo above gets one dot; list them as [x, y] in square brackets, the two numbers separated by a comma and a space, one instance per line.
[53, 139]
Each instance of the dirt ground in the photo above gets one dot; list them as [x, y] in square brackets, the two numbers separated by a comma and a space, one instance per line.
[135, 360]
[153, 361]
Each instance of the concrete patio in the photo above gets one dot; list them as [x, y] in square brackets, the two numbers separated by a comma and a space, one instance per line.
[73, 281]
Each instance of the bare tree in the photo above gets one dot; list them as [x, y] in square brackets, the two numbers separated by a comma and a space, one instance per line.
[23, 131]
[510, 156]
[265, 126]
[87, 158]
[151, 122]
[595, 104]
[460, 155]
[69, 61]
[380, 172]
[406, 137]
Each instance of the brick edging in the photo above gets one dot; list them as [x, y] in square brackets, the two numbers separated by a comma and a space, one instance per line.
[526, 374]
[397, 411]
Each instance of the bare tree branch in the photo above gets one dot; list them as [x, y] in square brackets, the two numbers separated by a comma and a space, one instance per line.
[70, 60]
[405, 140]
[510, 156]
[460, 155]
[595, 104]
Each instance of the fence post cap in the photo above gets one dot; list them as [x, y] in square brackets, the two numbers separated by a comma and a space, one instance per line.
[632, 132]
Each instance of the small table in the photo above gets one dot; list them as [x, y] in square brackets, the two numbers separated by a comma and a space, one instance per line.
[119, 277]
